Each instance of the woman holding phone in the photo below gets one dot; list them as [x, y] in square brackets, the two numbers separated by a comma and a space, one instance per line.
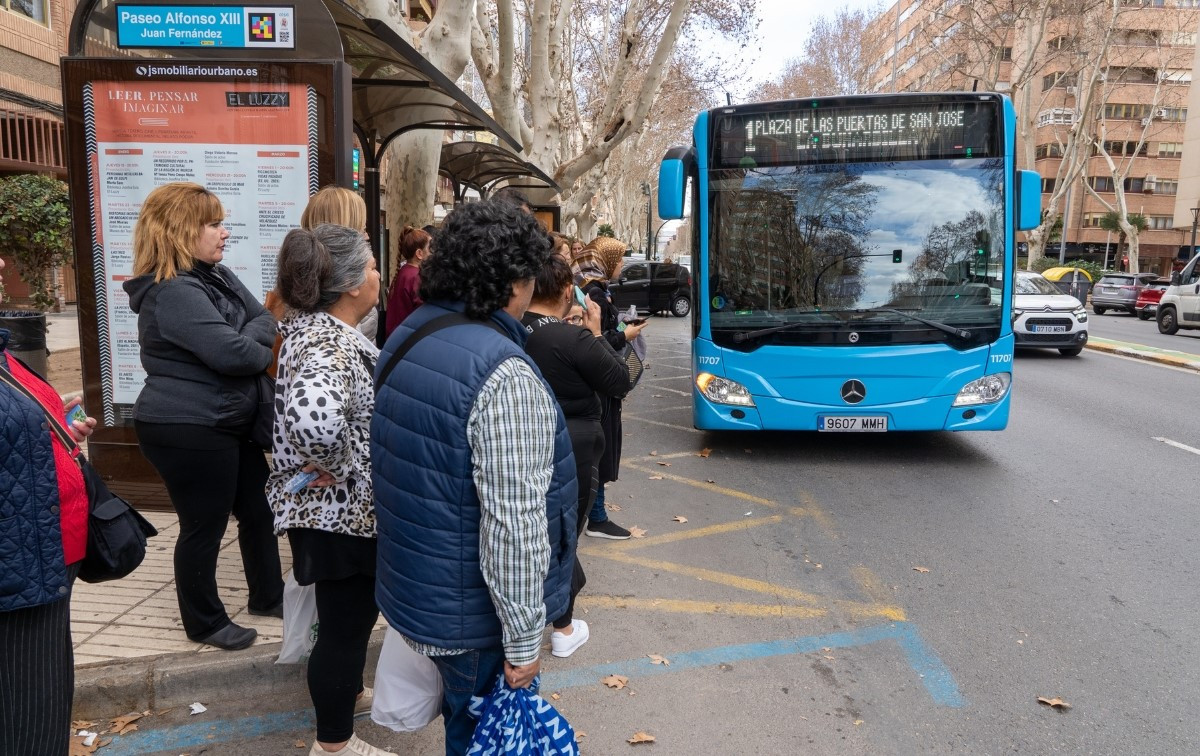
[205, 340]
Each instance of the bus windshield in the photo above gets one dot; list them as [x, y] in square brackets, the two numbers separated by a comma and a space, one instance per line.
[831, 246]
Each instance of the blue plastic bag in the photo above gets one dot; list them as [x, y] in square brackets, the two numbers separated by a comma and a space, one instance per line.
[520, 721]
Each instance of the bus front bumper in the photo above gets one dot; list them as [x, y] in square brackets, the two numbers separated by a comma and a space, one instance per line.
[927, 414]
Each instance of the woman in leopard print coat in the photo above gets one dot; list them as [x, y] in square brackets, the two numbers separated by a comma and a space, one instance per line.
[323, 406]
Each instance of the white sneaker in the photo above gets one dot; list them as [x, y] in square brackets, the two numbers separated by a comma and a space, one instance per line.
[565, 645]
[355, 747]
[363, 705]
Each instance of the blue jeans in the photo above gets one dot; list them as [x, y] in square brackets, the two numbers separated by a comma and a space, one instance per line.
[598, 514]
[465, 675]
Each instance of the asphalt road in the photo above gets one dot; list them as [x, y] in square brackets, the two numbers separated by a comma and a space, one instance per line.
[1125, 327]
[874, 594]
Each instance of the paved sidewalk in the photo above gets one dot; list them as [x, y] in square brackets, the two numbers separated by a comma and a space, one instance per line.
[139, 616]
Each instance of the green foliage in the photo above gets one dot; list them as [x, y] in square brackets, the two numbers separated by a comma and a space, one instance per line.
[1111, 221]
[1094, 269]
[35, 230]
[1043, 264]
[606, 229]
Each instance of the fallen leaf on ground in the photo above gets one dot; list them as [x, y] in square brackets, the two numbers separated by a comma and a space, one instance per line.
[555, 696]
[124, 724]
[921, 569]
[659, 659]
[1054, 703]
[615, 681]
[710, 480]
[79, 749]
[656, 477]
[654, 454]
[637, 532]
[82, 724]
[826, 649]
[300, 744]
[664, 464]
[830, 658]
[640, 737]
[704, 453]
[580, 734]
[679, 518]
[614, 507]
[857, 722]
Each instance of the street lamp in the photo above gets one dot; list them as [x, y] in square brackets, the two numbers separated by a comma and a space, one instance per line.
[649, 222]
[1195, 218]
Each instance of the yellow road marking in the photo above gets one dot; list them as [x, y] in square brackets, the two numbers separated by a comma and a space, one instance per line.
[672, 455]
[684, 535]
[665, 425]
[871, 585]
[855, 609]
[705, 486]
[681, 606]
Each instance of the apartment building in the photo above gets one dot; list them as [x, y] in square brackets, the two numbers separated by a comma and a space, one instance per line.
[1141, 97]
[33, 35]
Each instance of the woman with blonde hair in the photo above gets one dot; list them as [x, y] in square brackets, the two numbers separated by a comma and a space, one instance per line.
[205, 341]
[405, 295]
[341, 207]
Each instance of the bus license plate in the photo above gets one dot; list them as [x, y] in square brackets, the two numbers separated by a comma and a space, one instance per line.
[1049, 329]
[852, 424]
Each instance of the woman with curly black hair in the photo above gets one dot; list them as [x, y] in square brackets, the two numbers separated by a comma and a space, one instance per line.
[474, 479]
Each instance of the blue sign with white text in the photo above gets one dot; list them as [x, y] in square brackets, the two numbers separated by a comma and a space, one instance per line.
[205, 26]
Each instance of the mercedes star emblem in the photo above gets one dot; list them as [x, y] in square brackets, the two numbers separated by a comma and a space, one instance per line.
[853, 392]
[853, 337]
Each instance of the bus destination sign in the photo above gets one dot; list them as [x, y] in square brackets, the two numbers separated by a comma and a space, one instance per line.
[920, 131]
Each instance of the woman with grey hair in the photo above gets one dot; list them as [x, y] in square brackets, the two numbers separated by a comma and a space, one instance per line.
[320, 484]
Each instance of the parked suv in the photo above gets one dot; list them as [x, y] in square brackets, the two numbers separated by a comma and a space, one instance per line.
[1119, 291]
[1180, 303]
[653, 287]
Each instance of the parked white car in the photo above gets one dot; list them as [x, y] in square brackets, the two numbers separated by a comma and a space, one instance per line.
[1045, 317]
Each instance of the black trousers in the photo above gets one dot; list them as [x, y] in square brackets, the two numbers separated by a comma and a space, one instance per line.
[587, 442]
[37, 678]
[347, 613]
[206, 485]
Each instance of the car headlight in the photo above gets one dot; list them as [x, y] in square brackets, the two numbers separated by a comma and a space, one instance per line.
[1080, 315]
[986, 390]
[723, 391]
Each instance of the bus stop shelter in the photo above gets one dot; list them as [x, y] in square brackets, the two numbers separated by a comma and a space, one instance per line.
[259, 103]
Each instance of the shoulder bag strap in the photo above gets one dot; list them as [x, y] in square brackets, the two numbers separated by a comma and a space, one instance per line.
[56, 424]
[442, 321]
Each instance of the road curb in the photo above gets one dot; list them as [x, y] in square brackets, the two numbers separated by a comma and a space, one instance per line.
[109, 689]
[1138, 354]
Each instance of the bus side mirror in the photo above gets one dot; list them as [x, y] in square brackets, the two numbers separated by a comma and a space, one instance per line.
[671, 180]
[1029, 200]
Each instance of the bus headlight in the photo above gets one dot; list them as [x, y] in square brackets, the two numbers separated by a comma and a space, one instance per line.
[723, 391]
[986, 390]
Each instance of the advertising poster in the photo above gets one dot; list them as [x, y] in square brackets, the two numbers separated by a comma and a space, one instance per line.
[252, 144]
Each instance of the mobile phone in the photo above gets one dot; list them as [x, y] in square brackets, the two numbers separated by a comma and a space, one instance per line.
[299, 481]
[635, 321]
[76, 415]
[580, 297]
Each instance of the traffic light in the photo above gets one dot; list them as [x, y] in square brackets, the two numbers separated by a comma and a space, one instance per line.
[983, 240]
[897, 255]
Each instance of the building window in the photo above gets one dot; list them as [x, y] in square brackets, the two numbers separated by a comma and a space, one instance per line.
[1048, 185]
[1006, 54]
[1048, 150]
[1058, 80]
[1170, 188]
[1170, 149]
[1092, 220]
[38, 10]
[1160, 222]
[1171, 114]
[1120, 148]
[1056, 116]
[1101, 183]
[1126, 111]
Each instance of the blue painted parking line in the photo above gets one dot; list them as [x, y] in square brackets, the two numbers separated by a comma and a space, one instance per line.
[934, 675]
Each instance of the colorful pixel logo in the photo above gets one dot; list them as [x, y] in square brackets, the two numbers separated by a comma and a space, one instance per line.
[262, 27]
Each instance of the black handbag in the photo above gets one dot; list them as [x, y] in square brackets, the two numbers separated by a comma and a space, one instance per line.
[262, 428]
[630, 357]
[116, 532]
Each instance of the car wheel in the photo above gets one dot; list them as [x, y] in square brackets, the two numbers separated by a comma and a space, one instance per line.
[1071, 351]
[1132, 311]
[1166, 321]
[1099, 310]
[681, 306]
[1143, 315]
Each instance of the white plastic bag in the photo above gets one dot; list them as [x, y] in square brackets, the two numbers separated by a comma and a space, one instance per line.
[299, 621]
[408, 686]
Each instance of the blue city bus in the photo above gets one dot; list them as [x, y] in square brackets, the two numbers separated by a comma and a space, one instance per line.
[852, 261]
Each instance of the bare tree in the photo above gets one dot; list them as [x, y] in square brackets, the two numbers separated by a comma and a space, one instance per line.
[833, 62]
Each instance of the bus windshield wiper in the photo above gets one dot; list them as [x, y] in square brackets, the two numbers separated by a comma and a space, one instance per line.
[960, 333]
[742, 336]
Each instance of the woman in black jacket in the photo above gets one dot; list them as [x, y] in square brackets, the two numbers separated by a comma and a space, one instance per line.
[578, 364]
[205, 344]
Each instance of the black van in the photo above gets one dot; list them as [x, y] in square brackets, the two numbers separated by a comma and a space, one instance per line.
[653, 287]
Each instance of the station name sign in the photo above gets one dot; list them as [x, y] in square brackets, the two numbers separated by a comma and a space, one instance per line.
[808, 133]
[228, 26]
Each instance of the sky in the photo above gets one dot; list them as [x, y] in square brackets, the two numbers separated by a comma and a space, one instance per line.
[783, 30]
